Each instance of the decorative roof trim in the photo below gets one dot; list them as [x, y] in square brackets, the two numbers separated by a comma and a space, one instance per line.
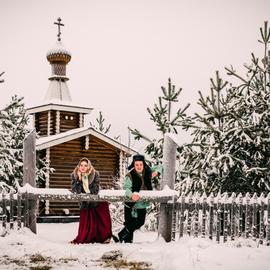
[59, 107]
[50, 141]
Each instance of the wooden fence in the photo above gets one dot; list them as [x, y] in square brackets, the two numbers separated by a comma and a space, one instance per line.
[22, 208]
[13, 212]
[220, 218]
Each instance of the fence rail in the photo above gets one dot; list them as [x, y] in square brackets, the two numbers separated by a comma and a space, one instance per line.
[220, 217]
[28, 197]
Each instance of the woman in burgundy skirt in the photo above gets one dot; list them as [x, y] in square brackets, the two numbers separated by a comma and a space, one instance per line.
[95, 221]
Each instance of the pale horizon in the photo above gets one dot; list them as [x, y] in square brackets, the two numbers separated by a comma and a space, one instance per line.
[124, 51]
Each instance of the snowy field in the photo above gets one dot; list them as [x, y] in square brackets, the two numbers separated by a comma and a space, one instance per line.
[49, 249]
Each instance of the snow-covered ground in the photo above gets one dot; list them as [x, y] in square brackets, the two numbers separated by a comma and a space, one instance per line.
[49, 249]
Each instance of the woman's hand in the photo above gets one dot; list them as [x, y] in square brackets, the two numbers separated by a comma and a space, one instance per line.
[79, 176]
[154, 174]
[135, 196]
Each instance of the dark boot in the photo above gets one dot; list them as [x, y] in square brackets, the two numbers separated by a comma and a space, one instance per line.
[130, 238]
[125, 236]
[115, 238]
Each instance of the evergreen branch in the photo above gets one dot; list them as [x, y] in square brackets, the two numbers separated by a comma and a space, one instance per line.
[264, 33]
[138, 135]
[164, 90]
[1, 81]
[185, 108]
[206, 108]
[231, 72]
[100, 121]
[205, 122]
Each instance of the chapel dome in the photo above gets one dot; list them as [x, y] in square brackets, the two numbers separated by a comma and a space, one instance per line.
[58, 54]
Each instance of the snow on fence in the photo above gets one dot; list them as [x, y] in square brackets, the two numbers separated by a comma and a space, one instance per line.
[24, 203]
[222, 217]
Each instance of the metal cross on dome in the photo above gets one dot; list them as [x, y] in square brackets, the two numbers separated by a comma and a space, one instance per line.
[59, 25]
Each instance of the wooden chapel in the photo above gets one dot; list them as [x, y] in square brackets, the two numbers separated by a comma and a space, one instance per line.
[64, 139]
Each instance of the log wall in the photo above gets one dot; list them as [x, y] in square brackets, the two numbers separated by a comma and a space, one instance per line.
[41, 123]
[65, 157]
[68, 121]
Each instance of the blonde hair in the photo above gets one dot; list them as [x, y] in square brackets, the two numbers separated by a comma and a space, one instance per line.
[90, 167]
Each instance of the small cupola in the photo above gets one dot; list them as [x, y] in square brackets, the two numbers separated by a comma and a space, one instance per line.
[57, 113]
[58, 57]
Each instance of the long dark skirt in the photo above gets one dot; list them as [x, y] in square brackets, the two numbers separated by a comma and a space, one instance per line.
[95, 225]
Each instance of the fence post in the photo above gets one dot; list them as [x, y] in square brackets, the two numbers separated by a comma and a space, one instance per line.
[196, 214]
[4, 205]
[219, 210]
[11, 212]
[241, 220]
[262, 198]
[204, 205]
[165, 213]
[254, 223]
[181, 219]
[19, 210]
[29, 175]
[211, 215]
[233, 216]
[225, 215]
[247, 217]
[268, 220]
[189, 213]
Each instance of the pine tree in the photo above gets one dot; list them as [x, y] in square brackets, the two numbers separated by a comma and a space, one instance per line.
[12, 133]
[234, 138]
[100, 124]
[13, 130]
[166, 122]
[204, 162]
[252, 124]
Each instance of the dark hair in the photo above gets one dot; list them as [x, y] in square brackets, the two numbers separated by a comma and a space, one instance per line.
[138, 157]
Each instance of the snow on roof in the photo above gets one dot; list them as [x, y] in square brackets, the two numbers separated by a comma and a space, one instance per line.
[58, 90]
[49, 141]
[58, 48]
[59, 105]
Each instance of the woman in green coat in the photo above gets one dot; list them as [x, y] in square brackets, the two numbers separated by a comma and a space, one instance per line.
[139, 177]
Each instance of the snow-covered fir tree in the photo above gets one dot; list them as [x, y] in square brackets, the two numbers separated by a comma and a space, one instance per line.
[13, 130]
[168, 117]
[166, 120]
[100, 124]
[204, 161]
[231, 144]
[252, 124]
[12, 133]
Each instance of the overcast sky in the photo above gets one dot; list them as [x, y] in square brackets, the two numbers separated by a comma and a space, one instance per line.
[123, 51]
